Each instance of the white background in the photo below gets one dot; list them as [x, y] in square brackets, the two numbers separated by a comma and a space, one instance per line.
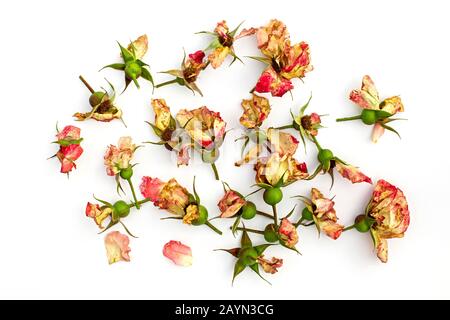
[49, 249]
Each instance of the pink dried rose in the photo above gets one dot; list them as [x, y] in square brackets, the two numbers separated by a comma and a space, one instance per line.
[189, 72]
[284, 61]
[288, 233]
[179, 253]
[69, 147]
[230, 204]
[102, 104]
[270, 266]
[375, 112]
[222, 45]
[117, 247]
[321, 211]
[277, 170]
[328, 161]
[98, 213]
[118, 158]
[256, 110]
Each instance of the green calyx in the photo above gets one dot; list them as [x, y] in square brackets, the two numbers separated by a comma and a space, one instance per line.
[120, 210]
[307, 214]
[210, 156]
[270, 233]
[248, 256]
[325, 156]
[248, 211]
[369, 117]
[272, 196]
[133, 70]
[202, 216]
[97, 97]
[363, 223]
[127, 173]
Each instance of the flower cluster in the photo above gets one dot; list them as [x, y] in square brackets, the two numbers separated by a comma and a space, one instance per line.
[270, 150]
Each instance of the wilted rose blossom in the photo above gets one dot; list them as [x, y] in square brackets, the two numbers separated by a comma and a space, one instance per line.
[162, 114]
[204, 126]
[285, 61]
[270, 266]
[179, 253]
[169, 196]
[256, 110]
[310, 123]
[351, 173]
[118, 158]
[69, 147]
[230, 204]
[288, 233]
[325, 214]
[367, 98]
[117, 247]
[270, 170]
[98, 213]
[389, 208]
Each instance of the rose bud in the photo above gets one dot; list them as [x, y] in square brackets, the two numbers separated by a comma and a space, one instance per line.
[179, 253]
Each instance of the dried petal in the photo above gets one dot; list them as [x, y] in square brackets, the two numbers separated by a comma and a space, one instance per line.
[352, 173]
[179, 253]
[230, 204]
[117, 247]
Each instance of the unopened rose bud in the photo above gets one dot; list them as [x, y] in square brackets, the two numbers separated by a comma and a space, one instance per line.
[272, 196]
[248, 210]
[270, 233]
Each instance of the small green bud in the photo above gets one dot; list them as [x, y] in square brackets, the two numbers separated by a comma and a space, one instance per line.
[126, 173]
[270, 233]
[362, 224]
[325, 156]
[121, 209]
[307, 214]
[248, 211]
[368, 116]
[202, 216]
[133, 70]
[273, 195]
[248, 256]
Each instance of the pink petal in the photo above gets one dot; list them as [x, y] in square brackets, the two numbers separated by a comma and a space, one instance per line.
[151, 188]
[179, 253]
[377, 132]
[69, 132]
[117, 248]
[352, 173]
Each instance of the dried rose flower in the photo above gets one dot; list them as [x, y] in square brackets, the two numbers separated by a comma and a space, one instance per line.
[387, 216]
[321, 211]
[102, 103]
[284, 61]
[69, 147]
[132, 65]
[117, 247]
[171, 196]
[256, 110]
[222, 45]
[375, 112]
[179, 253]
[189, 72]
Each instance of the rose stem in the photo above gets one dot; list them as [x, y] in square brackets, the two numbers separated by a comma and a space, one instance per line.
[134, 194]
[275, 215]
[348, 228]
[213, 227]
[166, 83]
[288, 126]
[86, 84]
[264, 214]
[316, 143]
[216, 173]
[131, 205]
[250, 230]
[348, 118]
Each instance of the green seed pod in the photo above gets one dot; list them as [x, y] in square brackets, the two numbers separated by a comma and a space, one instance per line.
[368, 116]
[96, 98]
[248, 256]
[273, 195]
[248, 211]
[121, 209]
[270, 233]
[362, 224]
[307, 214]
[210, 156]
[126, 173]
[325, 156]
[202, 216]
[133, 70]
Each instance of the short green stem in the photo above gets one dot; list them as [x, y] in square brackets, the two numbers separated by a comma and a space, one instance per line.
[86, 84]
[213, 227]
[316, 142]
[216, 173]
[348, 228]
[166, 83]
[131, 205]
[134, 194]
[250, 230]
[275, 215]
[349, 118]
[264, 214]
